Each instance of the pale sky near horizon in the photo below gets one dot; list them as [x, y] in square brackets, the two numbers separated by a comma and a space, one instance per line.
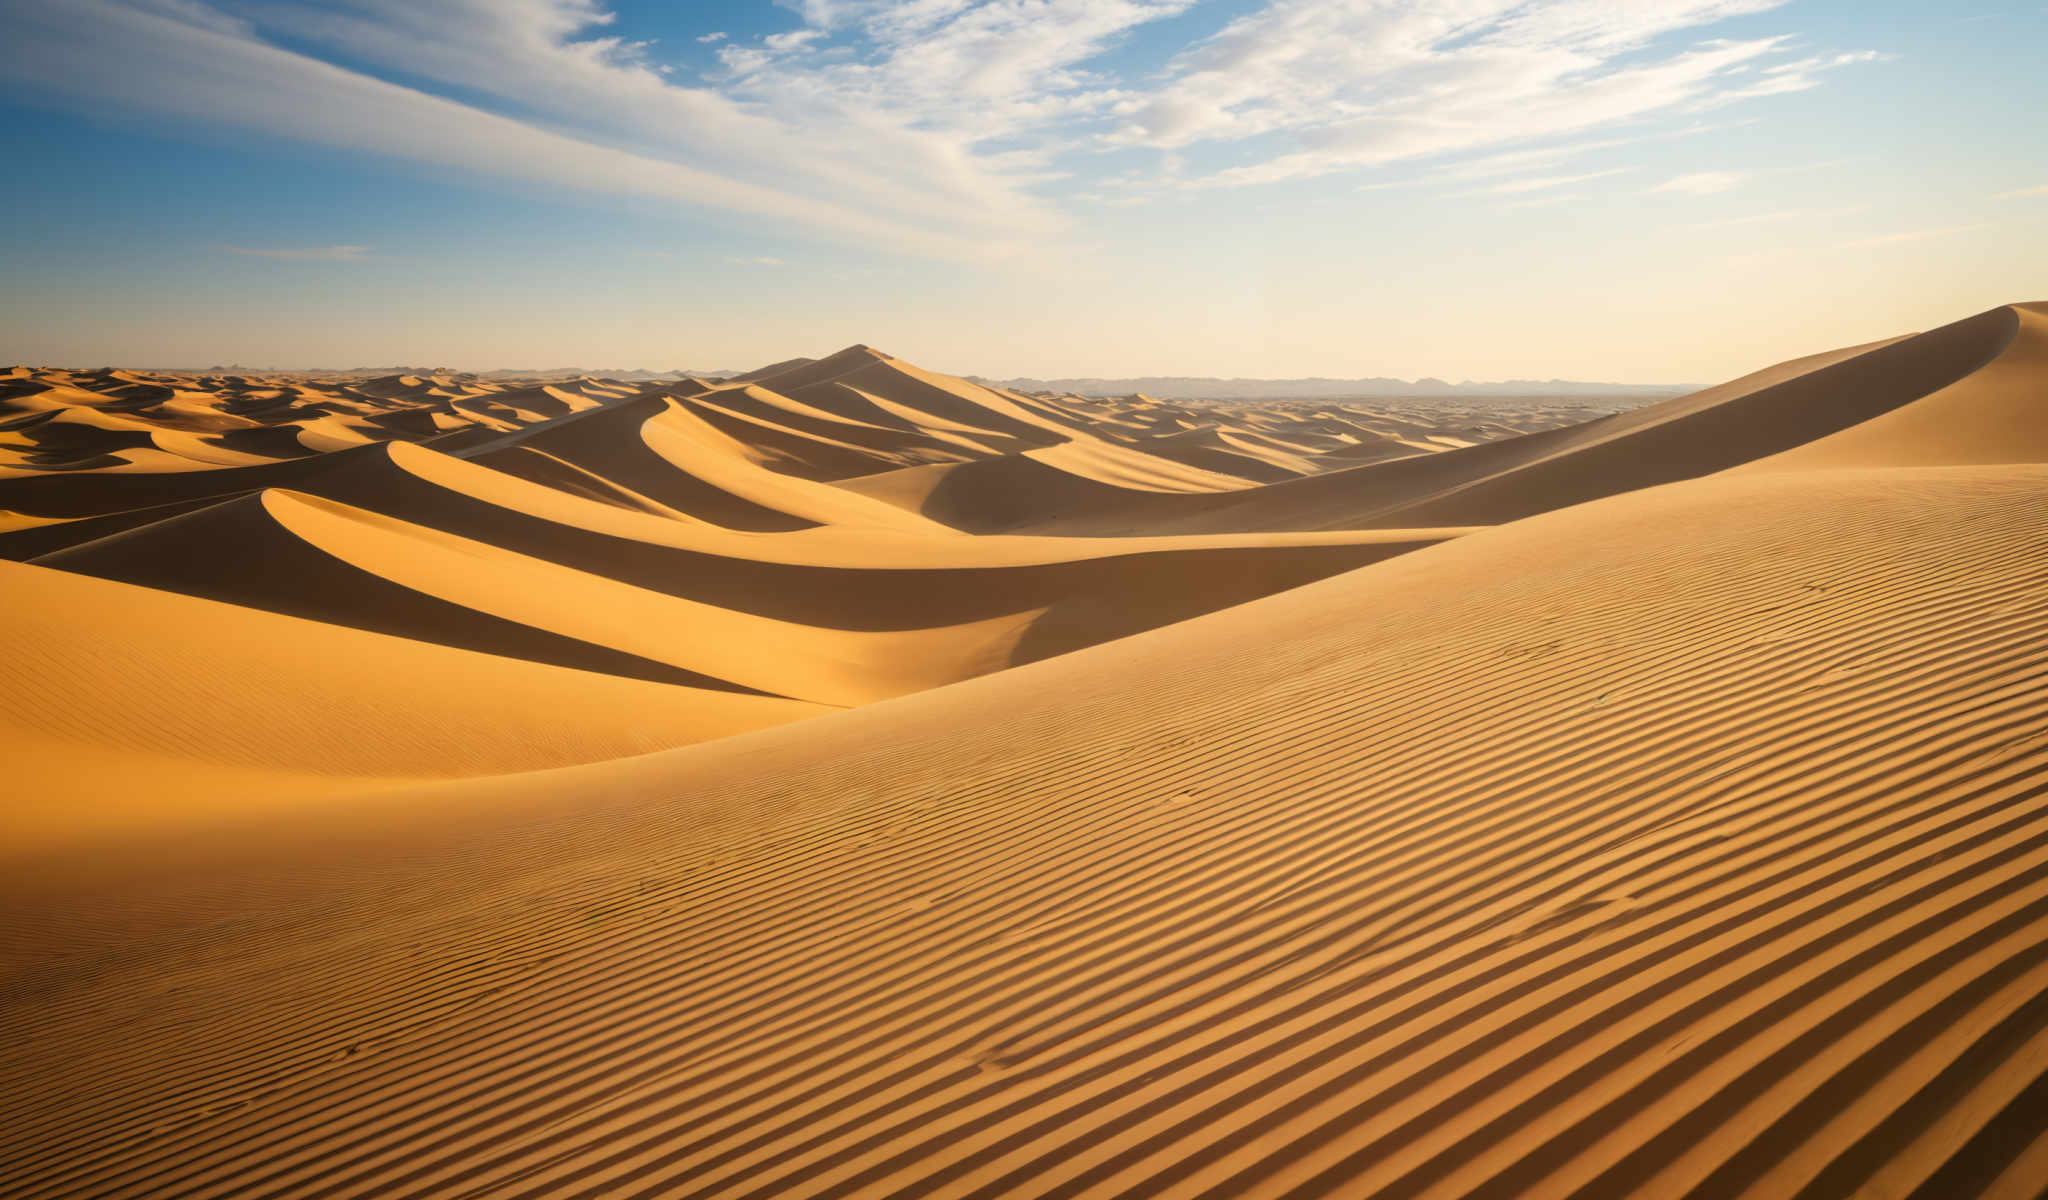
[1629, 190]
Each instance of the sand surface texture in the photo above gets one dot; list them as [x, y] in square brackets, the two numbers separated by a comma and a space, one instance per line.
[850, 781]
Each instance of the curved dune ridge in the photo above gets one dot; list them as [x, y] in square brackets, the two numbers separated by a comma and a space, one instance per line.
[155, 705]
[642, 797]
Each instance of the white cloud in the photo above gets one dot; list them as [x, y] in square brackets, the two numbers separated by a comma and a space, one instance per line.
[783, 43]
[1539, 183]
[1801, 74]
[934, 127]
[1703, 183]
[889, 108]
[2022, 193]
[974, 71]
[1536, 158]
[1365, 82]
[756, 262]
[1511, 162]
[305, 253]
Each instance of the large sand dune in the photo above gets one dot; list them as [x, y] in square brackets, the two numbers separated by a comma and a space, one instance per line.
[848, 780]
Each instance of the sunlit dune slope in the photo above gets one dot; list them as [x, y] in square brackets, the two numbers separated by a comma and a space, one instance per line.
[1565, 856]
[145, 709]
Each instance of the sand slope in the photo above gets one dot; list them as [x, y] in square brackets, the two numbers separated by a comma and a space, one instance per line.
[151, 708]
[1688, 840]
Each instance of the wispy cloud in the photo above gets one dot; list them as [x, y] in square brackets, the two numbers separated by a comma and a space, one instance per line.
[1703, 183]
[1799, 74]
[966, 75]
[1783, 214]
[1540, 183]
[2022, 193]
[1362, 82]
[935, 127]
[1912, 235]
[756, 262]
[304, 253]
[1539, 158]
[1507, 162]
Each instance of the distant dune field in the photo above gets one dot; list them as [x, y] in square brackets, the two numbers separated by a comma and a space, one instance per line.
[847, 780]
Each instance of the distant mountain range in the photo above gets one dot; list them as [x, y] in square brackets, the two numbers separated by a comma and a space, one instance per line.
[1189, 387]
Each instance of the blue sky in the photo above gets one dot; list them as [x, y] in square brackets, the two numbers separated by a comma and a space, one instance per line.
[1641, 190]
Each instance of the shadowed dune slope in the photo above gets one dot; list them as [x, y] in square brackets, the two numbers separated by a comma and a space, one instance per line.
[94, 494]
[1566, 858]
[608, 443]
[28, 542]
[794, 439]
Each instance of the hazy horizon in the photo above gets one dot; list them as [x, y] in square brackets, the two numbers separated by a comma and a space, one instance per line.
[729, 371]
[1667, 192]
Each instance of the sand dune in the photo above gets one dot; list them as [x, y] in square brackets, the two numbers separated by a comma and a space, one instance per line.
[1991, 415]
[572, 583]
[610, 444]
[151, 708]
[849, 781]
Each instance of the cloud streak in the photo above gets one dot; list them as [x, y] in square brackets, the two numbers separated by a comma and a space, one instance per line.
[1704, 183]
[1911, 235]
[304, 253]
[1542, 183]
[1784, 214]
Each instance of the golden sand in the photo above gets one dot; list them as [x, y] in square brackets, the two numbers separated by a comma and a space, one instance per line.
[852, 781]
